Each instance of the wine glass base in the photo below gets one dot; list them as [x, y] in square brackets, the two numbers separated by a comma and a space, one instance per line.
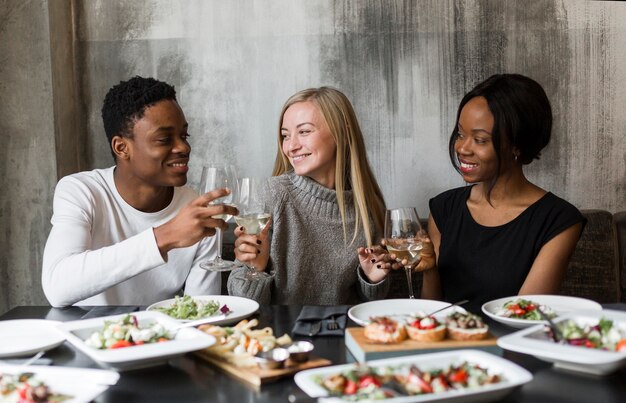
[251, 273]
[221, 265]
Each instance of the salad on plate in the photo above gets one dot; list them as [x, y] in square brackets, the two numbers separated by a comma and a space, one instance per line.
[126, 332]
[603, 335]
[188, 308]
[376, 383]
[26, 388]
[524, 309]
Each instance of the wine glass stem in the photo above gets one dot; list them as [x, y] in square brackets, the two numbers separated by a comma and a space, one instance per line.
[218, 235]
[409, 279]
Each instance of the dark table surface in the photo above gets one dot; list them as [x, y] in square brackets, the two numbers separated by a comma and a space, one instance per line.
[189, 379]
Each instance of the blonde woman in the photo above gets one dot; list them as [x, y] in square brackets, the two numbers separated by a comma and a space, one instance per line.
[325, 202]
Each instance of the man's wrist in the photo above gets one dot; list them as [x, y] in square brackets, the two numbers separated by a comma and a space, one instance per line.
[160, 235]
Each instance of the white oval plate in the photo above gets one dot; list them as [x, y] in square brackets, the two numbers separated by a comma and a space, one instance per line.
[558, 303]
[240, 308]
[398, 309]
[23, 337]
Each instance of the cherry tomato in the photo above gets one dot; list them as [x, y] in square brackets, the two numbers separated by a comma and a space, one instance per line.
[519, 311]
[162, 339]
[350, 388]
[22, 392]
[121, 344]
[621, 345]
[459, 376]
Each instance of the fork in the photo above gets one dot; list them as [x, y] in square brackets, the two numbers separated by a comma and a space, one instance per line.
[332, 324]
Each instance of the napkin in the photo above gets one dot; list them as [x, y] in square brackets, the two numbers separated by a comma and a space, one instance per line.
[100, 311]
[312, 314]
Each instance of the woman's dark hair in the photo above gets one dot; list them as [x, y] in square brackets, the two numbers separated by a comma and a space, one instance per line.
[522, 118]
[126, 102]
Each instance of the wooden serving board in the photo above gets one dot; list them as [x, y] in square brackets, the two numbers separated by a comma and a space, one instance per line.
[364, 350]
[256, 376]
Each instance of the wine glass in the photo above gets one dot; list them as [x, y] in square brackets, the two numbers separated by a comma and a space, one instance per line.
[215, 177]
[253, 212]
[403, 239]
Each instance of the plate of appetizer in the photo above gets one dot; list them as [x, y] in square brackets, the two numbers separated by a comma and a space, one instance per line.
[215, 309]
[401, 310]
[36, 383]
[385, 337]
[592, 341]
[458, 375]
[136, 340]
[21, 337]
[521, 311]
[257, 355]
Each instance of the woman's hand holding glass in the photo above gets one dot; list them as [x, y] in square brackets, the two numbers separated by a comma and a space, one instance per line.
[253, 225]
[428, 259]
[376, 263]
[253, 249]
[404, 239]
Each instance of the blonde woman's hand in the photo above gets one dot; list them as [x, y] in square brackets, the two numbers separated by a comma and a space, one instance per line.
[376, 263]
[253, 250]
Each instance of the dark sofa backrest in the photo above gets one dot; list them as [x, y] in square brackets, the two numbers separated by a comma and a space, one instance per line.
[593, 270]
[619, 219]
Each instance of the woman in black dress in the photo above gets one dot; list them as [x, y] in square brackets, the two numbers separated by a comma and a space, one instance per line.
[502, 235]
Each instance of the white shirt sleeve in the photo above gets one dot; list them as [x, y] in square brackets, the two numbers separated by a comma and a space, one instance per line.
[71, 270]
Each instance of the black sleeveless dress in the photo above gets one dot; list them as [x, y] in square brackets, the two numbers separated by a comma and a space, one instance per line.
[484, 263]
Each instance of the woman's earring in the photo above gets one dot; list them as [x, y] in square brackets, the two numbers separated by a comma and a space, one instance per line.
[515, 156]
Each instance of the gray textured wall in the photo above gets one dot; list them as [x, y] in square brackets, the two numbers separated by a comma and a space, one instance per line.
[27, 160]
[404, 64]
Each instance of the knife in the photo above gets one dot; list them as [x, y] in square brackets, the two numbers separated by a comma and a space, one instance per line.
[315, 328]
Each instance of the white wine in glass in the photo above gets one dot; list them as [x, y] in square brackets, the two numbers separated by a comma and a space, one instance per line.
[253, 223]
[403, 233]
[253, 212]
[216, 177]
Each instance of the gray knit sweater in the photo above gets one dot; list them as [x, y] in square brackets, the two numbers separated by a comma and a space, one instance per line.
[310, 263]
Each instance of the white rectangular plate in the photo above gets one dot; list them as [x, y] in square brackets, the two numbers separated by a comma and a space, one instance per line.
[186, 340]
[512, 374]
[83, 384]
[534, 341]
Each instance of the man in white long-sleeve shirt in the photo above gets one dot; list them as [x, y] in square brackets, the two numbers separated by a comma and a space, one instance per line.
[133, 234]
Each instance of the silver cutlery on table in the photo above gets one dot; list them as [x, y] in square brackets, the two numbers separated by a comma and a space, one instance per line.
[315, 328]
[405, 316]
[198, 322]
[23, 362]
[459, 303]
[332, 323]
[557, 335]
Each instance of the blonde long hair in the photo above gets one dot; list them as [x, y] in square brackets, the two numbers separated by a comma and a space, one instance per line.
[352, 170]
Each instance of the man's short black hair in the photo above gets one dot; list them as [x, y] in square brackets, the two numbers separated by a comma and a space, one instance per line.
[126, 102]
